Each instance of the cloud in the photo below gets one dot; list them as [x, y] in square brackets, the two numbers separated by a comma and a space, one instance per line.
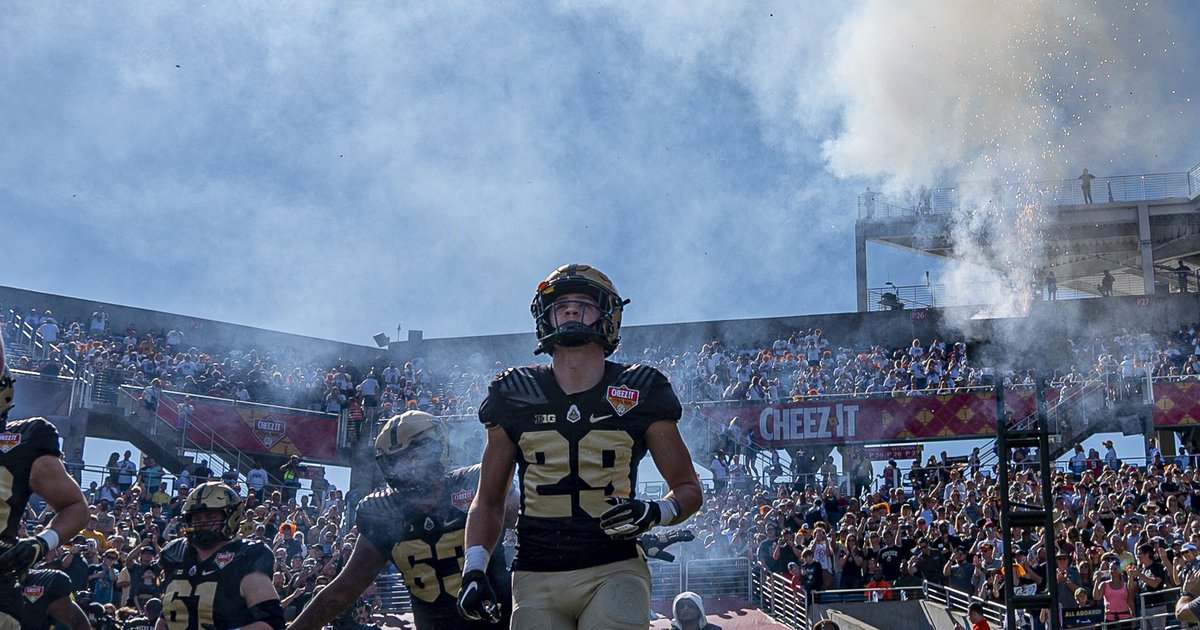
[335, 168]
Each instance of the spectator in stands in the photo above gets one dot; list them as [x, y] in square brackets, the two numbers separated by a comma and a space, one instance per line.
[202, 473]
[1110, 456]
[256, 479]
[99, 321]
[1151, 572]
[891, 476]
[151, 394]
[290, 473]
[126, 472]
[975, 617]
[47, 334]
[878, 587]
[785, 551]
[174, 340]
[688, 610]
[1106, 284]
[852, 564]
[1114, 590]
[74, 465]
[720, 472]
[814, 577]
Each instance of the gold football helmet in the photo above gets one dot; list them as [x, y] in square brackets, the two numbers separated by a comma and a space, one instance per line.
[212, 496]
[585, 279]
[412, 450]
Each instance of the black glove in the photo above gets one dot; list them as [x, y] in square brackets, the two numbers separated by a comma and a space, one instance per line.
[21, 555]
[654, 547]
[477, 599]
[629, 518]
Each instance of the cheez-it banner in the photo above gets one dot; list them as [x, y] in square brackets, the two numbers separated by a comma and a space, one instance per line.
[1176, 404]
[851, 420]
[257, 429]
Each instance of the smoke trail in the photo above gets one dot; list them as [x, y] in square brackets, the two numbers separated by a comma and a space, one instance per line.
[1001, 97]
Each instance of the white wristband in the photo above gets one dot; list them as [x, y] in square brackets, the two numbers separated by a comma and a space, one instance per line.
[476, 559]
[50, 537]
[668, 510]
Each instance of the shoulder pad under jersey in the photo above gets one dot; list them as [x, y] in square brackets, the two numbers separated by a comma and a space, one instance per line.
[638, 376]
[521, 385]
[381, 504]
[173, 551]
[39, 433]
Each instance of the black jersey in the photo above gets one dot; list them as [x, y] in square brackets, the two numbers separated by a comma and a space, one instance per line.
[21, 443]
[572, 452]
[207, 593]
[427, 546]
[41, 588]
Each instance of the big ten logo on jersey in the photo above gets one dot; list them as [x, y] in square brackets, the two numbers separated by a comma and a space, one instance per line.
[187, 606]
[562, 476]
[431, 569]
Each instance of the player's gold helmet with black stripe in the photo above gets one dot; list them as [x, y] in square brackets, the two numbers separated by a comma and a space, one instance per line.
[212, 497]
[7, 389]
[587, 280]
[412, 449]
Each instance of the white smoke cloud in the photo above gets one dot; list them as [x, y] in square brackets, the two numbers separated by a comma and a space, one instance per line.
[987, 97]
[338, 168]
[1029, 90]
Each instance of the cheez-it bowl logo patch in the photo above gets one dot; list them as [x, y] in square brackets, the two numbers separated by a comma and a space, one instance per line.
[622, 399]
[462, 498]
[34, 592]
[223, 559]
[9, 441]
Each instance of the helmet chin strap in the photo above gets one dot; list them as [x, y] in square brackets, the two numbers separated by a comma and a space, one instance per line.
[570, 335]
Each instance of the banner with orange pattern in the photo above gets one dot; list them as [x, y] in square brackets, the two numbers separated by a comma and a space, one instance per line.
[1176, 404]
[255, 428]
[874, 420]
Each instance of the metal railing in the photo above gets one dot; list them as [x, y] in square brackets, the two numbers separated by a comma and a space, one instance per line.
[222, 455]
[776, 597]
[393, 594]
[25, 342]
[993, 197]
[957, 602]
[938, 295]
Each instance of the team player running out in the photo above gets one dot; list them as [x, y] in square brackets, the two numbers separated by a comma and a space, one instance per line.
[575, 431]
[30, 462]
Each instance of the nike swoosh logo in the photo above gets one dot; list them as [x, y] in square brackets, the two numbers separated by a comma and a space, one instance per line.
[595, 418]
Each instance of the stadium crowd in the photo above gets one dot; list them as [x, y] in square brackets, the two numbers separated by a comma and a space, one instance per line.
[1123, 529]
[806, 364]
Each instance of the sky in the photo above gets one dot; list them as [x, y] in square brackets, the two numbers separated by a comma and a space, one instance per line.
[337, 169]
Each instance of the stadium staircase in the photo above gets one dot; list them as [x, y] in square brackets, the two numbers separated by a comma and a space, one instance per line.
[118, 413]
[22, 343]
[1080, 414]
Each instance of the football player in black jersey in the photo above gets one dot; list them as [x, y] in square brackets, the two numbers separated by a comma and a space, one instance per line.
[418, 524]
[47, 596]
[213, 578]
[30, 462]
[576, 431]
